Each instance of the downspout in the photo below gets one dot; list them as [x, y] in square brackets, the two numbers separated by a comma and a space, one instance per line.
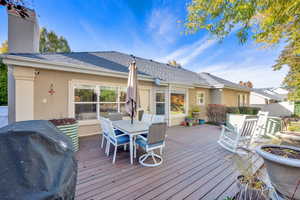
[169, 105]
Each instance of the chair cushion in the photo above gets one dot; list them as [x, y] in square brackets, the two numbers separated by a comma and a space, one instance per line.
[145, 135]
[121, 140]
[144, 144]
[118, 132]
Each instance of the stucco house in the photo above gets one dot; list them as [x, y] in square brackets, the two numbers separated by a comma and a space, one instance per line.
[260, 96]
[86, 85]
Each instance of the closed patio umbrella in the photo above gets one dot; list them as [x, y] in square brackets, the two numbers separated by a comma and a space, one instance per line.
[132, 97]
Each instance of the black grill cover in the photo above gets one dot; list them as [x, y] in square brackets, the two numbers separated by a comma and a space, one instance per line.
[36, 162]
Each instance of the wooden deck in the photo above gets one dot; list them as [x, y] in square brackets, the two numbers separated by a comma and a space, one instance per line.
[194, 167]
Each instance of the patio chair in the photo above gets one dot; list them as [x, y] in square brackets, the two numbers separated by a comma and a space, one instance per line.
[261, 124]
[115, 138]
[158, 119]
[104, 133]
[147, 118]
[231, 139]
[155, 140]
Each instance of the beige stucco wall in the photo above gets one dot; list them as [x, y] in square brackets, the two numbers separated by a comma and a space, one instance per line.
[193, 99]
[230, 97]
[58, 105]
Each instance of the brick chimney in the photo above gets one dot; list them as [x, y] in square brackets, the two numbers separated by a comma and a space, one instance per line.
[23, 33]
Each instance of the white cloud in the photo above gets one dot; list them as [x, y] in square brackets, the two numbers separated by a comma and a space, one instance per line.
[188, 53]
[259, 75]
[162, 25]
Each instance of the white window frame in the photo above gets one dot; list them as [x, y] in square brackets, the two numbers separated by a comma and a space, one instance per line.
[198, 97]
[160, 102]
[97, 89]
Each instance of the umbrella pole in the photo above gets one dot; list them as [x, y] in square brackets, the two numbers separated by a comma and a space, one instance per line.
[131, 111]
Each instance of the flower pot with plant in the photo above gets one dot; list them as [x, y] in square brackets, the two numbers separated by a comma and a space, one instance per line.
[283, 167]
[189, 120]
[249, 183]
[69, 126]
[195, 112]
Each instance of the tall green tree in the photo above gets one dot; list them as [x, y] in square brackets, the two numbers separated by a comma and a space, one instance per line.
[3, 76]
[49, 42]
[268, 22]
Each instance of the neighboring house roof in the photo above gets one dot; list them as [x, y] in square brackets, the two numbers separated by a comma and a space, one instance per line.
[112, 61]
[220, 83]
[262, 91]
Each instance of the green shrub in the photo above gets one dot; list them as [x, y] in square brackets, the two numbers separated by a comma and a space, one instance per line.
[233, 110]
[243, 110]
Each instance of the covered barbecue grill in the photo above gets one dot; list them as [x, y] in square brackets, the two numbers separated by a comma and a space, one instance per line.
[36, 162]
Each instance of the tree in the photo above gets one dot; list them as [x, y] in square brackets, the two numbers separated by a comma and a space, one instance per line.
[3, 76]
[17, 5]
[4, 47]
[50, 42]
[268, 22]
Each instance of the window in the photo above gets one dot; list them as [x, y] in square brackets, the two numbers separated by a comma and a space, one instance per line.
[160, 103]
[177, 103]
[200, 98]
[85, 103]
[91, 102]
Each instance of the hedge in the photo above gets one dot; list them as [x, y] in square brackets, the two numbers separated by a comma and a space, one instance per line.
[243, 110]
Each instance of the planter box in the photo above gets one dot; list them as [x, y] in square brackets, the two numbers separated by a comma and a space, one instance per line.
[284, 172]
[71, 131]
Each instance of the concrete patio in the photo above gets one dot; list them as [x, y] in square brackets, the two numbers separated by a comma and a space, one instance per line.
[194, 167]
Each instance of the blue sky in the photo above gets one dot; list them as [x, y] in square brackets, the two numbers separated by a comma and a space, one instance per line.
[153, 29]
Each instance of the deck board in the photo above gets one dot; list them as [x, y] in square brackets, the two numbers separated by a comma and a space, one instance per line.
[194, 167]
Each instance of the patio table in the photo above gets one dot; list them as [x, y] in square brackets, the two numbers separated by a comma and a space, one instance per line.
[132, 130]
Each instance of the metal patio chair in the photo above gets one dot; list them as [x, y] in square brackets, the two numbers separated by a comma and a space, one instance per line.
[147, 118]
[155, 140]
[115, 138]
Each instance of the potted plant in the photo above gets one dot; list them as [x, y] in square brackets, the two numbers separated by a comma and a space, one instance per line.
[283, 167]
[69, 126]
[248, 181]
[201, 121]
[195, 112]
[189, 120]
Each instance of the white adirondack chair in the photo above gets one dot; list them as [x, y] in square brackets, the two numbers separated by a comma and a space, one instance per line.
[231, 139]
[261, 124]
